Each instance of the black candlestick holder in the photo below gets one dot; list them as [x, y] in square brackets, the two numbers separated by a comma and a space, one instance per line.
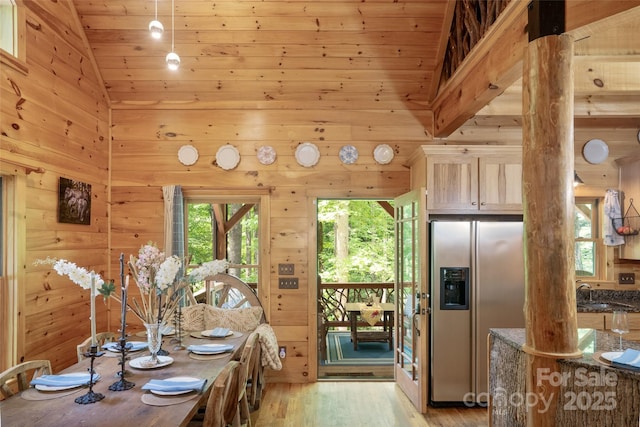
[91, 396]
[122, 384]
[177, 339]
[162, 351]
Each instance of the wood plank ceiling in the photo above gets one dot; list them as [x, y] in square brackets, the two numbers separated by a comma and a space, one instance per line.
[341, 55]
[268, 54]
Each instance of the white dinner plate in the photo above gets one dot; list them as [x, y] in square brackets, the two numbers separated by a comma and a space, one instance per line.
[611, 355]
[144, 362]
[175, 393]
[212, 349]
[348, 154]
[42, 387]
[228, 157]
[266, 155]
[383, 154]
[595, 151]
[307, 154]
[188, 155]
[208, 333]
[135, 346]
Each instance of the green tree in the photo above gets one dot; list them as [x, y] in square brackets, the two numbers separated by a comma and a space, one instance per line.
[370, 242]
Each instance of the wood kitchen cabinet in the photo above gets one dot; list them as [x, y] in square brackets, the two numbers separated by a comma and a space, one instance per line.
[634, 326]
[472, 179]
[630, 186]
[603, 322]
[591, 321]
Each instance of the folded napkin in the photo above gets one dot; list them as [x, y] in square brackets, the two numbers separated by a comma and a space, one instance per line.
[132, 345]
[219, 332]
[167, 330]
[630, 358]
[64, 380]
[372, 314]
[221, 348]
[174, 385]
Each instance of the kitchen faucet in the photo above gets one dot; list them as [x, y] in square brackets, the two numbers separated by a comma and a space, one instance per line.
[585, 286]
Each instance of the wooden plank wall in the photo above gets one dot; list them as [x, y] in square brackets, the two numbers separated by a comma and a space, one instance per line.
[64, 127]
[145, 147]
[56, 118]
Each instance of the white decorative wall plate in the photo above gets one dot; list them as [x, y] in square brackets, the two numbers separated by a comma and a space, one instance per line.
[188, 155]
[595, 151]
[307, 154]
[227, 157]
[266, 155]
[383, 154]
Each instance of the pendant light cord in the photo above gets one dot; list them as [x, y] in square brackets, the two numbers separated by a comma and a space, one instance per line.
[173, 26]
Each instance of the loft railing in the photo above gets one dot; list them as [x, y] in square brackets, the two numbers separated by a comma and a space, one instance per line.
[471, 20]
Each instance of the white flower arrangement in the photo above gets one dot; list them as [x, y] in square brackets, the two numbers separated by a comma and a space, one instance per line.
[155, 274]
[167, 272]
[209, 268]
[86, 279]
[78, 275]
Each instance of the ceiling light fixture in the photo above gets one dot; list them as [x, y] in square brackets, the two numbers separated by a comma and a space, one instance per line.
[155, 27]
[172, 59]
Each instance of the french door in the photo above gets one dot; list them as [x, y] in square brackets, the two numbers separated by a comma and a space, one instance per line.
[412, 320]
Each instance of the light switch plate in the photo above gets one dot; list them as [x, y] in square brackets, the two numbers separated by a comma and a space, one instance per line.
[285, 269]
[627, 278]
[288, 283]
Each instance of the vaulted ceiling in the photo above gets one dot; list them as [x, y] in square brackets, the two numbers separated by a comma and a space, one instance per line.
[352, 54]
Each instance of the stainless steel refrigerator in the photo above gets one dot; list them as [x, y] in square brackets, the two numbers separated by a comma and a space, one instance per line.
[477, 283]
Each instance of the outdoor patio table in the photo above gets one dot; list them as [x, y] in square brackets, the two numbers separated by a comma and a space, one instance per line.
[385, 335]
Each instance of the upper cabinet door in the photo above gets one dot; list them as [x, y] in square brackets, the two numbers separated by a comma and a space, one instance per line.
[452, 182]
[467, 179]
[500, 182]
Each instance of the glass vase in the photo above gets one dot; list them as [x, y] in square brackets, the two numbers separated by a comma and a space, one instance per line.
[154, 339]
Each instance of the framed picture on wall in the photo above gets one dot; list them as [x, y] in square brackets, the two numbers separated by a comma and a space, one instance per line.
[74, 202]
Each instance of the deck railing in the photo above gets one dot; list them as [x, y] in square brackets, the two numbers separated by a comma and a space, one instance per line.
[334, 296]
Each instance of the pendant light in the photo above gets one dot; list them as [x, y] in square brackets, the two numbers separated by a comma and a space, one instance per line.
[155, 27]
[172, 59]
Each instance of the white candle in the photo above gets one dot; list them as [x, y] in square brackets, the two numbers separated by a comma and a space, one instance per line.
[124, 304]
[93, 310]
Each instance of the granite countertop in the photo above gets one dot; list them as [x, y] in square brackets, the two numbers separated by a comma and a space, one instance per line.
[590, 341]
[588, 299]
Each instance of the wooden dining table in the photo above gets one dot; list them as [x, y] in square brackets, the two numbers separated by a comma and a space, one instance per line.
[124, 408]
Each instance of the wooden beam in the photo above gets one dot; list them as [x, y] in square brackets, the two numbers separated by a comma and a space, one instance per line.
[387, 207]
[238, 216]
[488, 71]
[485, 73]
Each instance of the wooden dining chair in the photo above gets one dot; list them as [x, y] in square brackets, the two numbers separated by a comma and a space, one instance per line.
[222, 403]
[17, 375]
[255, 380]
[101, 338]
[227, 291]
[248, 360]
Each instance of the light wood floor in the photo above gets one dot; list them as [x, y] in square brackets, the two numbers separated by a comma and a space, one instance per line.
[353, 404]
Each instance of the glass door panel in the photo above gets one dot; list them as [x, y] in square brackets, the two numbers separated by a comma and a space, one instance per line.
[411, 318]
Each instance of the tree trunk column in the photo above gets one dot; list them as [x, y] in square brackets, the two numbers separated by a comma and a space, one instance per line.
[548, 164]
